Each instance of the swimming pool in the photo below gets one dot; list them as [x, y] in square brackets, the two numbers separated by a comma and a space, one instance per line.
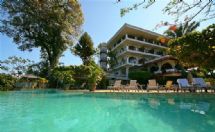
[58, 111]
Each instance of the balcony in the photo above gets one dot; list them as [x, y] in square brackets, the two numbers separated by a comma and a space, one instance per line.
[117, 76]
[129, 62]
[140, 39]
[142, 51]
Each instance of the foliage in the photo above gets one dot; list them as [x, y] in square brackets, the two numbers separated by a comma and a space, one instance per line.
[179, 8]
[38, 69]
[195, 49]
[16, 65]
[51, 25]
[84, 48]
[112, 59]
[103, 83]
[61, 77]
[182, 29]
[211, 80]
[96, 73]
[142, 77]
[7, 82]
[162, 80]
[76, 76]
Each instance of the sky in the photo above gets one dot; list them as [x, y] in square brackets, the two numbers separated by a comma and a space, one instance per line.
[101, 20]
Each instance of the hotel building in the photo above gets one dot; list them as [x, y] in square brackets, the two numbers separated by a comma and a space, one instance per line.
[133, 47]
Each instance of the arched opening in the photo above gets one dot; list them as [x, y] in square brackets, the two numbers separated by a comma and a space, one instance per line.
[154, 68]
[166, 66]
[132, 60]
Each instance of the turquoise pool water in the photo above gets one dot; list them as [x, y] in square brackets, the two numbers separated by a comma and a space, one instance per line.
[56, 111]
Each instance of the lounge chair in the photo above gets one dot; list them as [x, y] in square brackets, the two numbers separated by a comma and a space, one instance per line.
[117, 85]
[200, 84]
[210, 86]
[169, 85]
[132, 85]
[152, 85]
[184, 85]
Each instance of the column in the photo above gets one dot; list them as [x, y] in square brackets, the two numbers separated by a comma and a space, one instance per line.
[127, 71]
[159, 66]
[126, 35]
[127, 60]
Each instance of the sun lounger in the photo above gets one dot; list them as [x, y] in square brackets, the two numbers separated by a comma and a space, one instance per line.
[200, 84]
[132, 85]
[184, 85]
[152, 85]
[169, 86]
[117, 85]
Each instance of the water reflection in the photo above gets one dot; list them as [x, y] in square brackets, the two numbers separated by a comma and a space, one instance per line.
[153, 103]
[199, 107]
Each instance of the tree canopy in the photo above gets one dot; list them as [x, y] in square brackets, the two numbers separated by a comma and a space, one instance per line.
[51, 25]
[182, 29]
[196, 48]
[15, 65]
[189, 9]
[84, 48]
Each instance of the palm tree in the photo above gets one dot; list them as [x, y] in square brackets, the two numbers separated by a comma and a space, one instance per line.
[182, 29]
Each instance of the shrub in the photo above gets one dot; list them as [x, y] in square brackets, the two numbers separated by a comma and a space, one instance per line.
[103, 83]
[7, 82]
[142, 77]
[61, 77]
[163, 80]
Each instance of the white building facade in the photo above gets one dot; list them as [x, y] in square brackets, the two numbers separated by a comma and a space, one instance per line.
[131, 46]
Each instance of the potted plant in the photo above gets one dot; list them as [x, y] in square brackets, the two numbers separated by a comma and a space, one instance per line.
[96, 74]
[92, 83]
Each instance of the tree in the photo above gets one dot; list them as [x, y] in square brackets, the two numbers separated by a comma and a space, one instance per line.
[16, 65]
[112, 61]
[179, 8]
[51, 25]
[182, 29]
[84, 48]
[196, 49]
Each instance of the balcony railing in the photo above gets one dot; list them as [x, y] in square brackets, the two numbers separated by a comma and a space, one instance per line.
[126, 63]
[142, 39]
[173, 70]
[149, 52]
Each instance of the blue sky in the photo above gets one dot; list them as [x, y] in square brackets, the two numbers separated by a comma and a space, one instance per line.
[102, 20]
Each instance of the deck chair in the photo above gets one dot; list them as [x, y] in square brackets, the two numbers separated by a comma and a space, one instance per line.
[117, 85]
[132, 85]
[169, 85]
[183, 84]
[209, 85]
[200, 84]
[152, 85]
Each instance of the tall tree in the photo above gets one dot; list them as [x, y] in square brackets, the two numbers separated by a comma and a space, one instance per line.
[51, 25]
[182, 29]
[84, 48]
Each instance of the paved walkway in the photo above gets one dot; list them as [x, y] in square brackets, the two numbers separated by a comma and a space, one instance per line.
[145, 91]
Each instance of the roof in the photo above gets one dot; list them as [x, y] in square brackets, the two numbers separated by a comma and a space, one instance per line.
[30, 76]
[167, 57]
[136, 28]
